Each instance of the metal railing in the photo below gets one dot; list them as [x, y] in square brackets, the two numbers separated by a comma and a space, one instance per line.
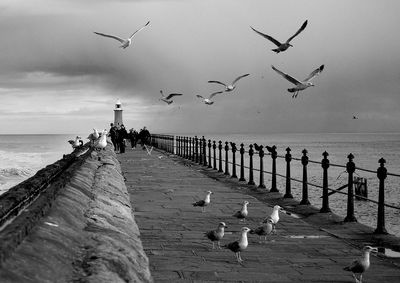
[195, 149]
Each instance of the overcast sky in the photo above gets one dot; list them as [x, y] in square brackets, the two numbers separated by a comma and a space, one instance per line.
[57, 76]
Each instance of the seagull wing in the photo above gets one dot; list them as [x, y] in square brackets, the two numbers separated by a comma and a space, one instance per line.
[140, 29]
[286, 76]
[315, 73]
[303, 26]
[214, 94]
[199, 96]
[276, 42]
[238, 78]
[172, 95]
[217, 82]
[111, 36]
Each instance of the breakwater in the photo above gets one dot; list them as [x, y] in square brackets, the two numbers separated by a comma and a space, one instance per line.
[311, 181]
[72, 222]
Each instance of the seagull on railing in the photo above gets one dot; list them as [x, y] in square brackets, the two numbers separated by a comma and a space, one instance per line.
[167, 98]
[124, 42]
[257, 147]
[232, 86]
[359, 266]
[208, 100]
[216, 235]
[300, 85]
[285, 45]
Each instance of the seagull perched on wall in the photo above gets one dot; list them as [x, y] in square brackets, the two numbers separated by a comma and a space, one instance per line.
[274, 217]
[285, 45]
[204, 202]
[93, 136]
[124, 42]
[238, 246]
[216, 235]
[243, 212]
[101, 143]
[167, 99]
[359, 266]
[232, 86]
[76, 143]
[300, 85]
[208, 100]
[263, 230]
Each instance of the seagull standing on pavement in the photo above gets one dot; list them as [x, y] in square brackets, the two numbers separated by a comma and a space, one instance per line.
[274, 217]
[238, 246]
[124, 42]
[243, 212]
[167, 99]
[203, 203]
[216, 235]
[232, 86]
[359, 266]
[208, 100]
[285, 45]
[300, 85]
[263, 230]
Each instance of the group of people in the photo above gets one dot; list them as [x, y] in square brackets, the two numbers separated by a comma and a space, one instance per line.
[119, 135]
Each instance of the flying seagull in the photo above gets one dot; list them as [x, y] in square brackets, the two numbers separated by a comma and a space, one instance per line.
[217, 235]
[208, 100]
[243, 212]
[285, 45]
[124, 42]
[203, 203]
[167, 98]
[263, 230]
[238, 246]
[274, 217]
[300, 85]
[232, 86]
[355, 117]
[359, 266]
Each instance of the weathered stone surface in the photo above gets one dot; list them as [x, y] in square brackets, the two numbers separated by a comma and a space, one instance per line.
[89, 234]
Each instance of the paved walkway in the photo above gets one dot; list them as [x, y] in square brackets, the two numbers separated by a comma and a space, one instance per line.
[162, 189]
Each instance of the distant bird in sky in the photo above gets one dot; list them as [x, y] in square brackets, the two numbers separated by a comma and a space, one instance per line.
[263, 230]
[167, 98]
[355, 117]
[359, 266]
[208, 100]
[243, 212]
[238, 246]
[205, 202]
[124, 42]
[232, 86]
[216, 235]
[285, 45]
[274, 217]
[300, 85]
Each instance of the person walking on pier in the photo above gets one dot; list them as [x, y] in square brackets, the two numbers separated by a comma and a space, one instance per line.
[144, 136]
[113, 135]
[133, 135]
[121, 135]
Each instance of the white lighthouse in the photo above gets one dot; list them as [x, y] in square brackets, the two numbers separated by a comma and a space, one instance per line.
[118, 114]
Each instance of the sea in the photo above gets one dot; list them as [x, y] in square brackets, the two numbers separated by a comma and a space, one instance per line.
[21, 156]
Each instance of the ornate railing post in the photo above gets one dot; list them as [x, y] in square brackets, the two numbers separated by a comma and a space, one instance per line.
[226, 159]
[209, 154]
[234, 149]
[382, 174]
[242, 163]
[214, 146]
[304, 162]
[325, 196]
[184, 145]
[251, 176]
[204, 152]
[288, 159]
[192, 149]
[178, 146]
[274, 156]
[350, 167]
[201, 151]
[261, 155]
[220, 156]
[196, 149]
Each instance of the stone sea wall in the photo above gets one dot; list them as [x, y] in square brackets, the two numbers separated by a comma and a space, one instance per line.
[88, 235]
